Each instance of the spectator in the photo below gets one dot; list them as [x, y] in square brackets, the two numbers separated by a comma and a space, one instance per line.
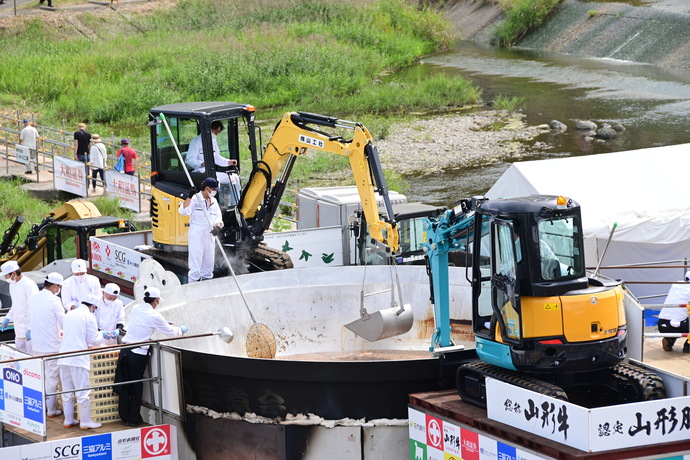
[82, 141]
[98, 160]
[21, 289]
[50, 2]
[675, 319]
[81, 332]
[30, 138]
[77, 287]
[130, 157]
[46, 320]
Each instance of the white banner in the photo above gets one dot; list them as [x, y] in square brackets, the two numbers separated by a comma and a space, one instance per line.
[124, 187]
[115, 260]
[22, 398]
[23, 154]
[591, 430]
[154, 442]
[314, 247]
[70, 176]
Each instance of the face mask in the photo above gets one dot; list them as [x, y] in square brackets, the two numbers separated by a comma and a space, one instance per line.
[12, 280]
[212, 193]
[107, 302]
[80, 279]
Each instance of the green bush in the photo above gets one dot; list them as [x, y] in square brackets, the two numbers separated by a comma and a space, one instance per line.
[522, 16]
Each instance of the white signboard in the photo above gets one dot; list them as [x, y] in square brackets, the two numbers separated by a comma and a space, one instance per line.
[154, 442]
[591, 430]
[124, 187]
[436, 438]
[70, 175]
[316, 247]
[115, 260]
[23, 154]
[22, 399]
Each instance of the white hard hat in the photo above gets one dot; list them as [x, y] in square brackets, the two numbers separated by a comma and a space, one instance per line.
[91, 299]
[687, 275]
[78, 266]
[8, 267]
[153, 292]
[54, 278]
[112, 289]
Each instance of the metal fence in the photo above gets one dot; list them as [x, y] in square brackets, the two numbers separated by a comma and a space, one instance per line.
[60, 142]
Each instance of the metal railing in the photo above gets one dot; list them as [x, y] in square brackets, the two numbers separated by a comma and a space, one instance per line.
[59, 141]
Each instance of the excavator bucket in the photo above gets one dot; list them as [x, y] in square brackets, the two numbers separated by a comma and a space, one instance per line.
[383, 324]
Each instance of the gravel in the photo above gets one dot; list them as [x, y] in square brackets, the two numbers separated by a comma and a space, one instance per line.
[457, 140]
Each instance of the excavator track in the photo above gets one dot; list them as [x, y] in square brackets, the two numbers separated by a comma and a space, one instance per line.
[644, 384]
[471, 382]
[264, 258]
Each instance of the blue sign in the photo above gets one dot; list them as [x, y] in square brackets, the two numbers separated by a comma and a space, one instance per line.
[99, 447]
[33, 405]
[506, 452]
[2, 395]
[11, 375]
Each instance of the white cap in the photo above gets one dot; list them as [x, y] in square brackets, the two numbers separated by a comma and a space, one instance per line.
[112, 289]
[78, 266]
[91, 299]
[153, 292]
[687, 275]
[8, 267]
[54, 278]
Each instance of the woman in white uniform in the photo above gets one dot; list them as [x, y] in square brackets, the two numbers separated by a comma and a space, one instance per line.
[205, 219]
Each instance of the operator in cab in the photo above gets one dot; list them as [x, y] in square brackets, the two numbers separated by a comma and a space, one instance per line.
[205, 221]
[195, 161]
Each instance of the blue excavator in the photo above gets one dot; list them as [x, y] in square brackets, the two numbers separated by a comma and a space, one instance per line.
[540, 320]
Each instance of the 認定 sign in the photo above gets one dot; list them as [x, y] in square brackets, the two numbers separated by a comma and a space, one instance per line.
[591, 430]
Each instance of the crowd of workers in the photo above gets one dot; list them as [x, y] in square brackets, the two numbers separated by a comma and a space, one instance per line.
[74, 315]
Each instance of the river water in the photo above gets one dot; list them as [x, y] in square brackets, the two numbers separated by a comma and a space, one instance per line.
[651, 102]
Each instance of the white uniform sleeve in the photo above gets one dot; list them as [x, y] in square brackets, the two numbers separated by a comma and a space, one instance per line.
[120, 312]
[194, 151]
[164, 327]
[188, 210]
[67, 300]
[217, 216]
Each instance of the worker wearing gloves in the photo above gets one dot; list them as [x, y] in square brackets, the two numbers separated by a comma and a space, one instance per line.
[79, 285]
[205, 220]
[21, 289]
[46, 321]
[110, 314]
[144, 320]
[80, 332]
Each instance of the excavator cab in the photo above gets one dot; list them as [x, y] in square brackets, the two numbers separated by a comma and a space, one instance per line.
[194, 127]
[534, 309]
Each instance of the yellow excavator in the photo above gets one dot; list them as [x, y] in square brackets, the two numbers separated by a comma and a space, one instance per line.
[248, 211]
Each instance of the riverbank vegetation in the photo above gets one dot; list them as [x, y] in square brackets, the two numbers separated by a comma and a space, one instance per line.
[522, 16]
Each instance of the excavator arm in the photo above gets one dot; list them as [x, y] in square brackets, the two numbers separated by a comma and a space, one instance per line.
[293, 136]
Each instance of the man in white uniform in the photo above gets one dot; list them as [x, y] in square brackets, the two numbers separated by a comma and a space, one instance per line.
[30, 138]
[675, 319]
[131, 365]
[195, 162]
[77, 287]
[21, 289]
[46, 319]
[110, 314]
[80, 333]
[205, 220]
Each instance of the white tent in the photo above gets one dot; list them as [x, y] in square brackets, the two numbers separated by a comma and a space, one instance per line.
[644, 191]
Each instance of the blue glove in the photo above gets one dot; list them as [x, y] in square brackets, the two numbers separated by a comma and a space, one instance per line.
[184, 329]
[106, 335]
[4, 324]
[115, 334]
[28, 334]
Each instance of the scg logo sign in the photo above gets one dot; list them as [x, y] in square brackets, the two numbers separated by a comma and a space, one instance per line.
[68, 451]
[120, 256]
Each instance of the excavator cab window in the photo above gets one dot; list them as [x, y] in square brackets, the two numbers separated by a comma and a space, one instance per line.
[560, 254]
[183, 131]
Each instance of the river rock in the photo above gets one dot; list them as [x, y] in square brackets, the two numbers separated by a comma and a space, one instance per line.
[607, 132]
[558, 126]
[618, 127]
[585, 125]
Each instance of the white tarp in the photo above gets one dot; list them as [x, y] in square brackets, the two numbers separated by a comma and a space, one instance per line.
[642, 190]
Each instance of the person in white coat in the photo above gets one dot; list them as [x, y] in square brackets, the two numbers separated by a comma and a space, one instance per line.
[144, 320]
[21, 289]
[110, 314]
[205, 220]
[98, 156]
[46, 319]
[195, 161]
[675, 319]
[80, 332]
[79, 285]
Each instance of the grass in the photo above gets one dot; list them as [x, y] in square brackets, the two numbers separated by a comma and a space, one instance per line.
[522, 16]
[16, 202]
[509, 103]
